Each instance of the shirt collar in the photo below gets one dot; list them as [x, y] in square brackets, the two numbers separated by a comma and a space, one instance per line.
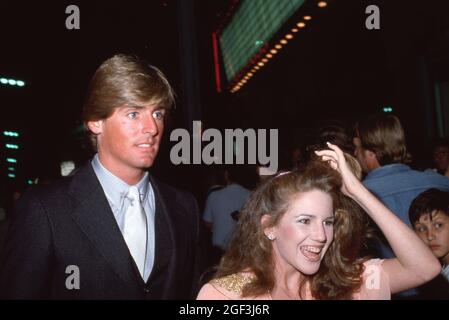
[114, 187]
[387, 170]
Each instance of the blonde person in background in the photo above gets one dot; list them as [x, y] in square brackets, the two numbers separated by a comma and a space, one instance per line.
[300, 234]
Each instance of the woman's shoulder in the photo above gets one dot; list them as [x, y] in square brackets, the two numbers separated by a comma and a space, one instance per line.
[375, 283]
[229, 287]
[234, 282]
[372, 264]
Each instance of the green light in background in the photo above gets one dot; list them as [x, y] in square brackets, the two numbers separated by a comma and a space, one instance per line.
[12, 146]
[11, 169]
[10, 134]
[12, 82]
[11, 175]
[387, 109]
[253, 24]
[11, 160]
[30, 182]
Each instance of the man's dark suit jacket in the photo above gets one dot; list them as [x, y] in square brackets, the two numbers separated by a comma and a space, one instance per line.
[72, 224]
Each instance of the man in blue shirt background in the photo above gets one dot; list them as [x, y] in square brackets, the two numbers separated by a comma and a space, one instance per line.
[381, 150]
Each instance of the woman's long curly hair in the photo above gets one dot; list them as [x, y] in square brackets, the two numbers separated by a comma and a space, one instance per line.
[339, 275]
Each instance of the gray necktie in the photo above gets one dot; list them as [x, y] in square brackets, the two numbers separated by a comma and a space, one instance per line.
[135, 229]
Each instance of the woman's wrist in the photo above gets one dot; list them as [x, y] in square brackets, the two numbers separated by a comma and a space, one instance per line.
[358, 192]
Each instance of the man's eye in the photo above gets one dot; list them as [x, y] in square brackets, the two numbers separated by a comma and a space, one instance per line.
[159, 115]
[132, 115]
[438, 225]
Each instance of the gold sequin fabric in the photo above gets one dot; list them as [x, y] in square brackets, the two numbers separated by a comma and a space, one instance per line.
[234, 282]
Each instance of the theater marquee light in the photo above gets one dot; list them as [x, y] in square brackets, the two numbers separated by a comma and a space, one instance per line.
[252, 26]
[256, 30]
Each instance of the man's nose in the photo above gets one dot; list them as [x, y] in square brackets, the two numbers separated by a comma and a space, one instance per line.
[150, 125]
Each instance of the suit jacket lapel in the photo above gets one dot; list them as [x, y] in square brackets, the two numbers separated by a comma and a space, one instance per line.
[166, 206]
[95, 218]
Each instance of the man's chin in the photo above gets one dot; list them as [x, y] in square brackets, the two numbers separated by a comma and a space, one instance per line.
[145, 163]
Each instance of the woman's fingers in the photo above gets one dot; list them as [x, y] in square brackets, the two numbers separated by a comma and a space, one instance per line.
[337, 161]
[327, 153]
[329, 157]
[333, 164]
[335, 153]
[337, 150]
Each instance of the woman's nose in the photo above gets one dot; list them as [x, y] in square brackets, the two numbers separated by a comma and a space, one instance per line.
[319, 234]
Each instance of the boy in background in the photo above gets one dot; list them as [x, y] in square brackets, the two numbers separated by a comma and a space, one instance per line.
[429, 216]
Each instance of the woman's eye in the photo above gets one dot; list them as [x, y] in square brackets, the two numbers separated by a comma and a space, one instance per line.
[304, 221]
[329, 223]
[438, 225]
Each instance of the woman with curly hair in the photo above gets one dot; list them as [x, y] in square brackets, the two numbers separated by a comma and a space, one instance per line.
[300, 235]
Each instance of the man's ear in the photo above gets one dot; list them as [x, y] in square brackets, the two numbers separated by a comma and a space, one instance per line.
[96, 127]
[371, 155]
[372, 159]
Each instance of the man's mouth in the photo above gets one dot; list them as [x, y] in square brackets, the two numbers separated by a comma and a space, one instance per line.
[144, 145]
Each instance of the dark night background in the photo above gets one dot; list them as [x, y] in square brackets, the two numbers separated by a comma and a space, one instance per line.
[335, 69]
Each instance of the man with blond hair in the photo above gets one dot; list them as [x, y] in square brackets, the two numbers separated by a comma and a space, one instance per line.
[111, 231]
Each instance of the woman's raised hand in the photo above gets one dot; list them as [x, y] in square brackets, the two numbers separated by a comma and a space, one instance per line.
[337, 160]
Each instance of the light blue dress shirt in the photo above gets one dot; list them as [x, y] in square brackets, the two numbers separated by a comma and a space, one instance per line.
[116, 190]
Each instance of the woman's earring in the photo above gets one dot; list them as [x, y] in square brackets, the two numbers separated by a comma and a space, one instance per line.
[271, 236]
